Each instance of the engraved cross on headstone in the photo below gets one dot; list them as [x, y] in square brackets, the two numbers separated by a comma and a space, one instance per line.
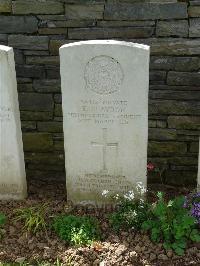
[104, 146]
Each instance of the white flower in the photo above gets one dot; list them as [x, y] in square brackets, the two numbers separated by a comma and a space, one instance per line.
[129, 195]
[105, 192]
[116, 197]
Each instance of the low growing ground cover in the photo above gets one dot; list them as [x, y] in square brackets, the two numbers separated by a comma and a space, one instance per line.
[45, 230]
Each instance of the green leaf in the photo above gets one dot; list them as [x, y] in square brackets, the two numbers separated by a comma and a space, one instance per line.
[179, 251]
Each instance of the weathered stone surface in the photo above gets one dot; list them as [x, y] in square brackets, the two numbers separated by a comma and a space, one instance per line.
[29, 42]
[194, 11]
[46, 85]
[101, 33]
[170, 107]
[184, 122]
[194, 147]
[91, 2]
[54, 45]
[194, 30]
[166, 148]
[59, 145]
[18, 24]
[125, 23]
[145, 11]
[162, 134]
[5, 6]
[47, 167]
[175, 88]
[36, 116]
[195, 3]
[183, 78]
[175, 63]
[45, 176]
[51, 17]
[37, 7]
[3, 39]
[84, 11]
[51, 126]
[58, 98]
[42, 60]
[35, 101]
[187, 135]
[157, 75]
[104, 112]
[152, 123]
[58, 110]
[53, 31]
[172, 46]
[12, 168]
[161, 124]
[19, 57]
[28, 125]
[181, 177]
[24, 87]
[175, 95]
[182, 160]
[30, 71]
[37, 142]
[35, 52]
[172, 28]
[52, 72]
[143, 1]
[71, 23]
[45, 158]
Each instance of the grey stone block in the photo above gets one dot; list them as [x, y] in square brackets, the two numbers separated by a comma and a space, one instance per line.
[5, 6]
[172, 107]
[194, 30]
[175, 63]
[145, 11]
[84, 11]
[101, 33]
[172, 28]
[184, 122]
[46, 85]
[35, 101]
[37, 7]
[30, 71]
[183, 78]
[29, 42]
[18, 24]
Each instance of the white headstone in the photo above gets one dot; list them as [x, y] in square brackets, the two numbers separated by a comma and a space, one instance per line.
[105, 110]
[12, 170]
[198, 177]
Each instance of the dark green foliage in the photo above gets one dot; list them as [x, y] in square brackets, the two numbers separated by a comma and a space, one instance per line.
[2, 219]
[131, 215]
[76, 230]
[171, 223]
[2, 222]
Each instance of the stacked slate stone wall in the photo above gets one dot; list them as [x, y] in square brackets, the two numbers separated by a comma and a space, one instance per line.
[36, 30]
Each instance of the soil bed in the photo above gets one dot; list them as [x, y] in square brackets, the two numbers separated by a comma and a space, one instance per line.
[127, 248]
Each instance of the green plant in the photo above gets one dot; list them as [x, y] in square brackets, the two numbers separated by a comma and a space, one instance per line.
[130, 215]
[33, 218]
[171, 223]
[76, 230]
[2, 222]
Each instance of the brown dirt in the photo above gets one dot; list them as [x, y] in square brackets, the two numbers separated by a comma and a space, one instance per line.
[128, 248]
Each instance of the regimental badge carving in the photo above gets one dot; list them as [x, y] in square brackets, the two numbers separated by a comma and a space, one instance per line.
[103, 75]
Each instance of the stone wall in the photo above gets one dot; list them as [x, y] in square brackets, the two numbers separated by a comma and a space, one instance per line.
[36, 30]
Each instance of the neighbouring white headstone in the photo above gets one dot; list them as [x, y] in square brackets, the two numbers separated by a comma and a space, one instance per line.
[105, 110]
[198, 176]
[12, 169]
